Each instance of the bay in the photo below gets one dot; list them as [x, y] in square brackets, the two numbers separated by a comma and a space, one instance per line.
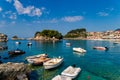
[98, 65]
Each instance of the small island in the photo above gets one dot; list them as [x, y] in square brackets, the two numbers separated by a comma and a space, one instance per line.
[48, 35]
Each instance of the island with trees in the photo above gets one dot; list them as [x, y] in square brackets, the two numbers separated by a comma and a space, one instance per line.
[48, 35]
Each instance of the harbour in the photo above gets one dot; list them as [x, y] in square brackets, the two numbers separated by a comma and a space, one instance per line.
[95, 64]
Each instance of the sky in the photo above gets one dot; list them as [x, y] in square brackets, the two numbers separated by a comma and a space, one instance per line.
[25, 17]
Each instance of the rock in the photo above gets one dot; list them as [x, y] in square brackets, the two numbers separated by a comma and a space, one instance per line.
[12, 71]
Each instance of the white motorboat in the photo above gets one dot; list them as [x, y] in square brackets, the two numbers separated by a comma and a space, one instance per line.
[79, 50]
[71, 72]
[29, 44]
[53, 63]
[68, 44]
[18, 42]
[60, 77]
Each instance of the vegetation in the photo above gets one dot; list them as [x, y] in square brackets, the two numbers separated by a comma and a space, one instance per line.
[49, 34]
[15, 37]
[76, 33]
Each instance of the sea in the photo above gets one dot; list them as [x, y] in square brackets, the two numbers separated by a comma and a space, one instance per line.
[94, 64]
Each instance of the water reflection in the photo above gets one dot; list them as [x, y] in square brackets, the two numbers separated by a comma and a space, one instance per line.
[79, 54]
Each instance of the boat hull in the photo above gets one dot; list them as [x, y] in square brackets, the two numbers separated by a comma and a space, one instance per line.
[52, 66]
[72, 73]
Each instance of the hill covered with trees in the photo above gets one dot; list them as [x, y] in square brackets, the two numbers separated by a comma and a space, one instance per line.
[77, 33]
[48, 35]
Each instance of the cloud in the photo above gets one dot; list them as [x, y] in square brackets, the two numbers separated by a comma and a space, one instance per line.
[72, 18]
[0, 9]
[103, 14]
[29, 10]
[9, 1]
[10, 15]
[13, 16]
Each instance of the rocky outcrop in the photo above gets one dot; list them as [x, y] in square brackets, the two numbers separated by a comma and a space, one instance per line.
[14, 71]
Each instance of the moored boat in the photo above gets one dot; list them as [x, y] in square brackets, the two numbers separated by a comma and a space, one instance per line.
[71, 71]
[79, 50]
[38, 61]
[60, 77]
[18, 42]
[37, 56]
[100, 48]
[53, 63]
[16, 52]
[29, 44]
[68, 44]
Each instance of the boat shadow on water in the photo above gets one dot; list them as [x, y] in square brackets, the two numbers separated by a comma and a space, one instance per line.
[79, 54]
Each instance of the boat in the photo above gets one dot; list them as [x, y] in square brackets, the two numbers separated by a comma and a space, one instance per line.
[38, 61]
[18, 42]
[37, 56]
[100, 48]
[60, 77]
[16, 52]
[79, 50]
[53, 63]
[71, 71]
[68, 44]
[29, 44]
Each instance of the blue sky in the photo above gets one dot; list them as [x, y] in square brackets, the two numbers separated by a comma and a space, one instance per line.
[24, 17]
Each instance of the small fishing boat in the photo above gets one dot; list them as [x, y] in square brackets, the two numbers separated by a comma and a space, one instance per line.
[68, 44]
[29, 44]
[71, 71]
[79, 50]
[18, 42]
[53, 63]
[100, 48]
[38, 61]
[37, 56]
[16, 52]
[60, 77]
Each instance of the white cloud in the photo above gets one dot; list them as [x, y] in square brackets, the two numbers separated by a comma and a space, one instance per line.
[0, 9]
[29, 10]
[103, 14]
[13, 16]
[72, 18]
[10, 15]
[54, 20]
[9, 1]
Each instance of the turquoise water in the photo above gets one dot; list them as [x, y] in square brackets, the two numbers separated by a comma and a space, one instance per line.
[98, 65]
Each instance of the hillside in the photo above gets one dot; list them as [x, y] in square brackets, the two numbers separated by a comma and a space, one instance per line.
[77, 33]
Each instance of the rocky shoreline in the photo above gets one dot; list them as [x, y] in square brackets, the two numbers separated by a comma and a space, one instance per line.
[14, 71]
